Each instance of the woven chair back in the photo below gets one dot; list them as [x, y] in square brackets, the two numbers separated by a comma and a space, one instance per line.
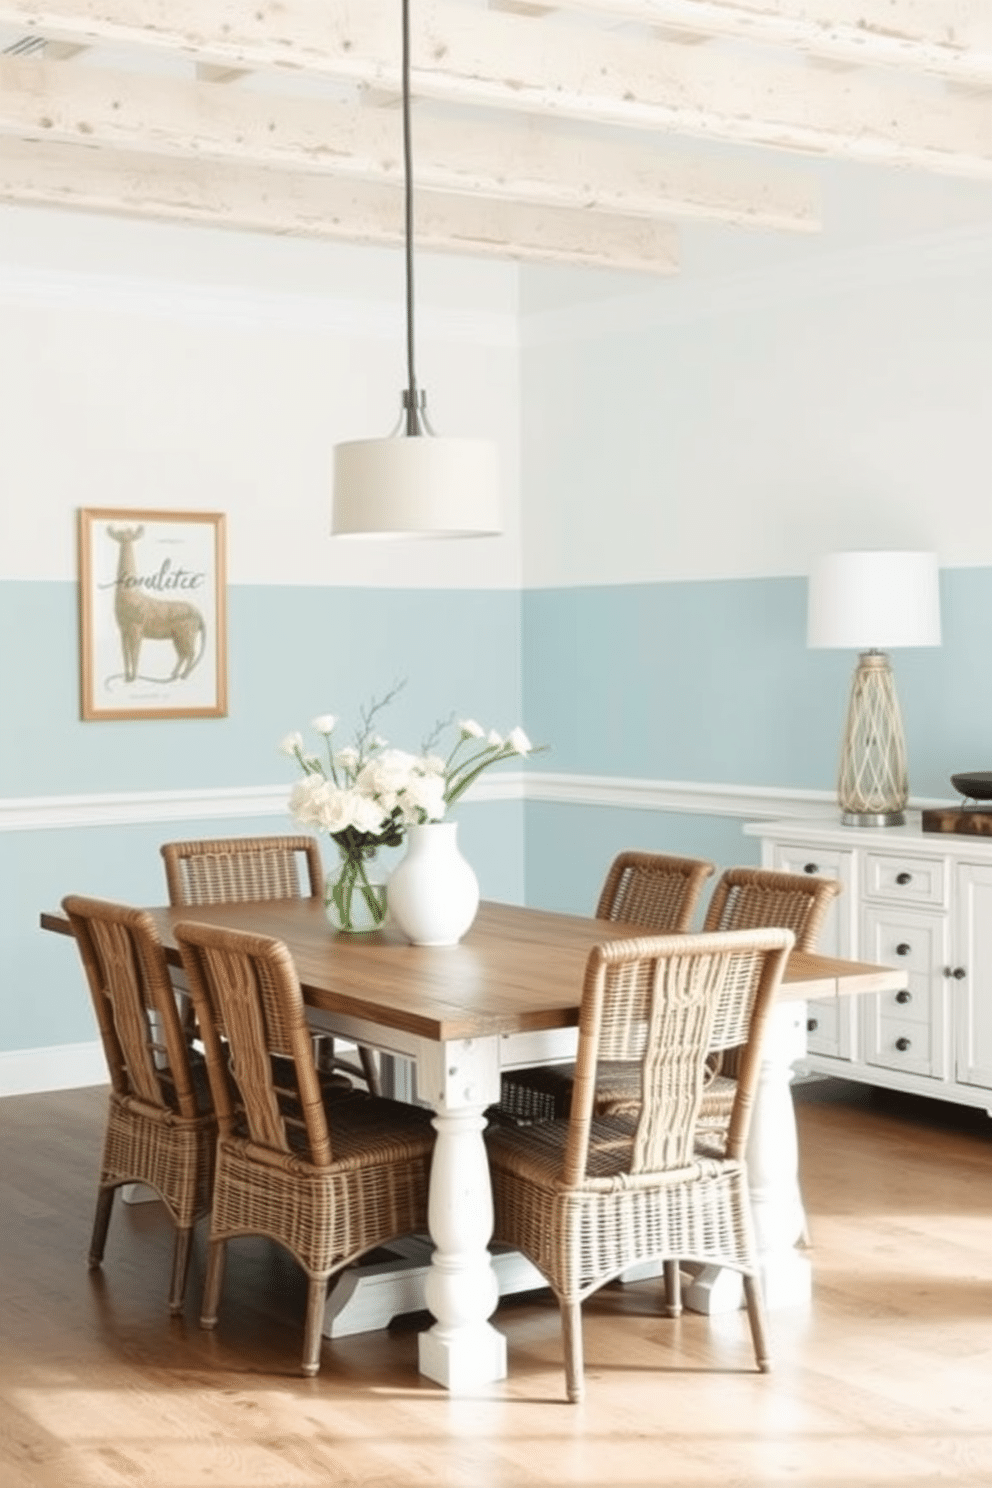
[654, 890]
[146, 1050]
[657, 1002]
[234, 869]
[251, 1016]
[749, 898]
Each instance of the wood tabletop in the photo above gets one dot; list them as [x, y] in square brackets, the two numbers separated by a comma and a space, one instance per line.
[516, 971]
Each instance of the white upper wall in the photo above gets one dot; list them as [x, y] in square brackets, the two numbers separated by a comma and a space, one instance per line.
[773, 402]
[164, 367]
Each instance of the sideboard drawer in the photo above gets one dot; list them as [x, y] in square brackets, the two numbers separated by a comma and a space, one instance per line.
[896, 1043]
[905, 880]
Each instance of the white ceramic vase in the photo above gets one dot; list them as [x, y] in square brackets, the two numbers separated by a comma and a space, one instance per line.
[433, 893]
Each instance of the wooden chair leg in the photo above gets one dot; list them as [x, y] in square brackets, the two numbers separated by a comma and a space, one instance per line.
[571, 1328]
[101, 1223]
[213, 1283]
[756, 1317]
[313, 1330]
[180, 1268]
[673, 1288]
[370, 1069]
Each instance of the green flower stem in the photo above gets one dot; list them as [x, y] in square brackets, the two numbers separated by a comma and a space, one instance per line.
[351, 877]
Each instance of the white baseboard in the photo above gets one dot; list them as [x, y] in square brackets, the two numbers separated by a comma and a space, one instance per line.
[60, 1067]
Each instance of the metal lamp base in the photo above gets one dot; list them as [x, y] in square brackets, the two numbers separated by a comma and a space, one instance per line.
[873, 818]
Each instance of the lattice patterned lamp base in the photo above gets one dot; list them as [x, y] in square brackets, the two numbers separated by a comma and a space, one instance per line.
[873, 783]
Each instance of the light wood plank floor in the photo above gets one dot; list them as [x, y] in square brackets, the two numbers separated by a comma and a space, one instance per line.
[885, 1382]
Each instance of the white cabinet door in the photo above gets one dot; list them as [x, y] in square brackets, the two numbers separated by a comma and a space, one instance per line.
[830, 1024]
[907, 1030]
[971, 973]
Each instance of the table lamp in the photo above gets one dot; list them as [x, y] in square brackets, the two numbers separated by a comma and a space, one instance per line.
[871, 602]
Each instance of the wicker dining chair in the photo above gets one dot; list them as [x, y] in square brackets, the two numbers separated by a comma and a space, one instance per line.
[226, 870]
[656, 891]
[751, 898]
[327, 1173]
[160, 1129]
[586, 1197]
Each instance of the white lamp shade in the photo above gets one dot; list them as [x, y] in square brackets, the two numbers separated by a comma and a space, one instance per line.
[874, 601]
[415, 486]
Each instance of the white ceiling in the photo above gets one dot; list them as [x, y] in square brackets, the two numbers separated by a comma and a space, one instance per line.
[630, 134]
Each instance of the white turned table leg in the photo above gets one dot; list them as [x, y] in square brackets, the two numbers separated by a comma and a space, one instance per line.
[462, 1349]
[773, 1164]
[773, 1176]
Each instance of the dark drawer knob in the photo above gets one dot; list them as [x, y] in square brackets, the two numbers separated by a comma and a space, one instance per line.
[811, 867]
[903, 948]
[812, 1025]
[959, 973]
[904, 996]
[902, 1044]
[904, 878]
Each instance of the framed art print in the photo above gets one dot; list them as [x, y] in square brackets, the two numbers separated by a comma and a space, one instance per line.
[152, 614]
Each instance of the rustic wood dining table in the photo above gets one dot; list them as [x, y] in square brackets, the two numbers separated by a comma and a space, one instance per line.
[506, 997]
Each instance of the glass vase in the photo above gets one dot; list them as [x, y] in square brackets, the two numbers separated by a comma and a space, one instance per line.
[355, 896]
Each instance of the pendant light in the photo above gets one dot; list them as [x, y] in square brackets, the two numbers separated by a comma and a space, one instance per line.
[413, 483]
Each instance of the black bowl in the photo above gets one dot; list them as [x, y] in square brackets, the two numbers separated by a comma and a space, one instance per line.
[976, 785]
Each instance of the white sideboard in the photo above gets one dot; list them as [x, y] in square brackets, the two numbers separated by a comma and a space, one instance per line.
[915, 899]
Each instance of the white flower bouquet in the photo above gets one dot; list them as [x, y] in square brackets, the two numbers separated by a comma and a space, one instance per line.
[365, 795]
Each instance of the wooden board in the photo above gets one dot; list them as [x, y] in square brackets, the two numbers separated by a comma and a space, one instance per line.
[974, 820]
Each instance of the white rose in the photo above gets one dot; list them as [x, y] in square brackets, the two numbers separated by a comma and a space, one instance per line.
[470, 729]
[494, 740]
[423, 798]
[519, 742]
[364, 814]
[386, 777]
[347, 758]
[291, 744]
[324, 723]
[306, 801]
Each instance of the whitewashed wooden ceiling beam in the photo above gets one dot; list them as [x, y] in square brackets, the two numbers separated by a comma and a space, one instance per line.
[465, 54]
[305, 205]
[535, 118]
[946, 38]
[161, 115]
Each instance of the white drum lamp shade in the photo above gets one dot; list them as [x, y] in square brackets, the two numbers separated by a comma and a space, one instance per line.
[416, 486]
[873, 602]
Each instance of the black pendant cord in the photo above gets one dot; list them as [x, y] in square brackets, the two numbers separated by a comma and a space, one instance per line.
[411, 398]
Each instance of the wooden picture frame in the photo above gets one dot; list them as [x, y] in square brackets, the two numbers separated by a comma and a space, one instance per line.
[153, 614]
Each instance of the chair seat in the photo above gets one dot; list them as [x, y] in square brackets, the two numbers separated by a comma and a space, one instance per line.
[536, 1154]
[373, 1190]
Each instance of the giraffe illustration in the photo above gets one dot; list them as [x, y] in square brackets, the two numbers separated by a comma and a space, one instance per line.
[142, 616]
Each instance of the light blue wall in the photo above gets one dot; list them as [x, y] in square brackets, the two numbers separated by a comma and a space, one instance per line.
[294, 653]
[712, 682]
[570, 847]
